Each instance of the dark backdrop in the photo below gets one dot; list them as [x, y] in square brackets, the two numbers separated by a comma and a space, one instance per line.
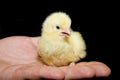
[92, 19]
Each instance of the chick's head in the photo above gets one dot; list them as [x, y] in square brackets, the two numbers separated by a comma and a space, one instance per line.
[57, 23]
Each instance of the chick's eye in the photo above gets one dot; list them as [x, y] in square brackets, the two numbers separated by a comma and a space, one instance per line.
[57, 27]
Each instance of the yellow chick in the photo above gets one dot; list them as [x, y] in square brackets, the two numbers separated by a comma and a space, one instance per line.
[59, 45]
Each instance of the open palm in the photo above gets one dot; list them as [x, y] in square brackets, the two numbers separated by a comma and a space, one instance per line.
[18, 60]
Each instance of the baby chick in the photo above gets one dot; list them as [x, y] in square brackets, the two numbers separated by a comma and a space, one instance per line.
[59, 45]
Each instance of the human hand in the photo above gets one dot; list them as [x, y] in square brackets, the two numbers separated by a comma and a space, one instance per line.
[18, 61]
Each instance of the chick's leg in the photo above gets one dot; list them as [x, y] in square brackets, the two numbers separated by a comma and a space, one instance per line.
[72, 64]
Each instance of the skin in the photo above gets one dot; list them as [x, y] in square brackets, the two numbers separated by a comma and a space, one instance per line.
[18, 61]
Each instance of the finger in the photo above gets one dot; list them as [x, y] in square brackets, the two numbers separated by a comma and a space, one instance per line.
[35, 40]
[35, 72]
[64, 68]
[101, 69]
[78, 71]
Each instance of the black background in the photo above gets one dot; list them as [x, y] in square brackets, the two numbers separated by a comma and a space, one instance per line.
[92, 19]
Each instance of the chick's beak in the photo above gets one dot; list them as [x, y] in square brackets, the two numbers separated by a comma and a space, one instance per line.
[66, 33]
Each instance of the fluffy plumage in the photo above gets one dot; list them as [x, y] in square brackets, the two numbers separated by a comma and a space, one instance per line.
[59, 45]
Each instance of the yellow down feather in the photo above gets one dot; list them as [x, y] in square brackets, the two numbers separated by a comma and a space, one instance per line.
[59, 45]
